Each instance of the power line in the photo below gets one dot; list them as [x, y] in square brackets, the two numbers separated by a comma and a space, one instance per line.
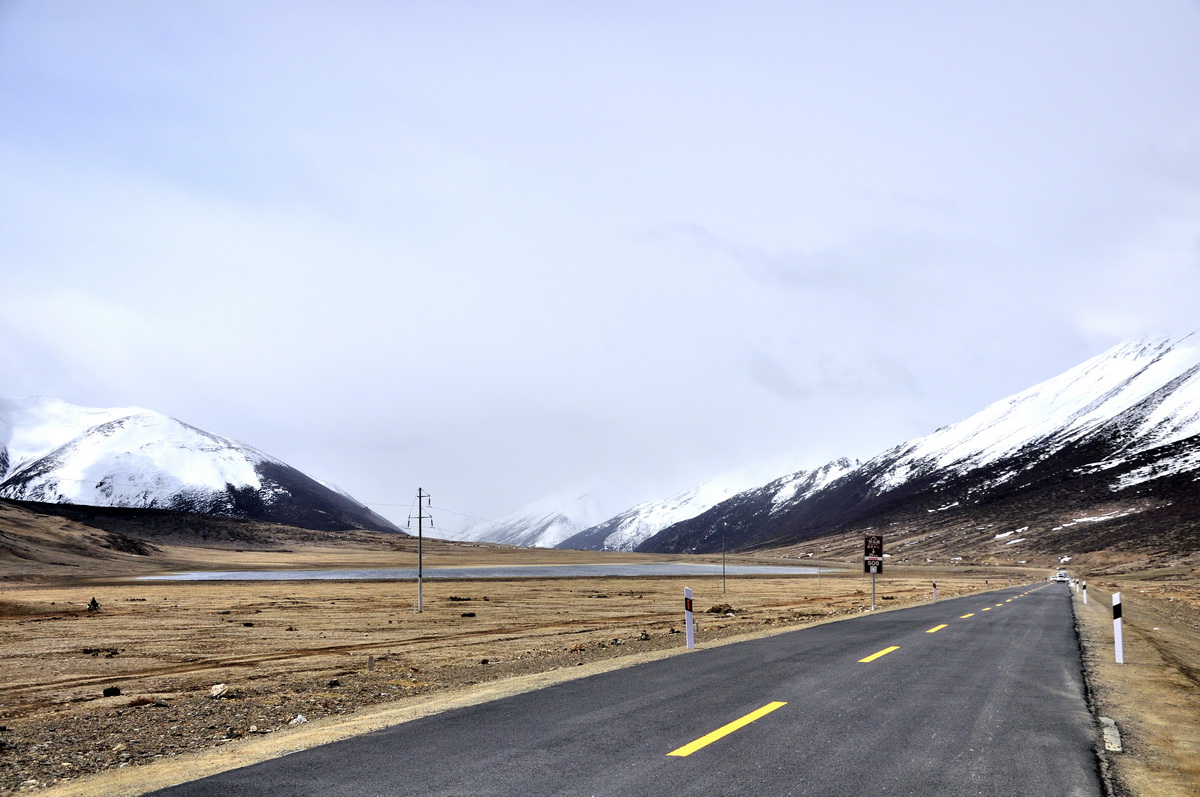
[463, 514]
[438, 508]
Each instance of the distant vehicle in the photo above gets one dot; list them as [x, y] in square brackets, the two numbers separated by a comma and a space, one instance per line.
[1061, 575]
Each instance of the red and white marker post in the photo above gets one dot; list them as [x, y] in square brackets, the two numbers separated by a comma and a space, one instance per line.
[688, 618]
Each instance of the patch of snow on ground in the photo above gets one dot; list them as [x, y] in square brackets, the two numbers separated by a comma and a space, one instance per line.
[1182, 464]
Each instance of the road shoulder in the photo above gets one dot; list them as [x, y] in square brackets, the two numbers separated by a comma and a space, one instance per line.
[1153, 697]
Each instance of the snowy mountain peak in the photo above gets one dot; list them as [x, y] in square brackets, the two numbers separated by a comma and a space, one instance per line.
[30, 427]
[1068, 407]
[1128, 417]
[626, 531]
[55, 452]
[543, 524]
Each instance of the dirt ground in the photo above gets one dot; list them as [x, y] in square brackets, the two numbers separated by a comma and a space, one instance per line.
[215, 674]
[1154, 696]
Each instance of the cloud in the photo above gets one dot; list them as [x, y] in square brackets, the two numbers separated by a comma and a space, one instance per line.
[497, 253]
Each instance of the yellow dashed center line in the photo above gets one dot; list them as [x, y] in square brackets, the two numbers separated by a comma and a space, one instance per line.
[725, 730]
[874, 656]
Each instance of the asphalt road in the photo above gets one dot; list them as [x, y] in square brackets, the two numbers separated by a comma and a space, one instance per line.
[980, 695]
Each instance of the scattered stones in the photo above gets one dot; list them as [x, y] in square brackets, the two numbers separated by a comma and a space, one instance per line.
[218, 690]
[299, 719]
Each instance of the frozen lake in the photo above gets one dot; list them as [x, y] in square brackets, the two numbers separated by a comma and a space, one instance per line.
[517, 571]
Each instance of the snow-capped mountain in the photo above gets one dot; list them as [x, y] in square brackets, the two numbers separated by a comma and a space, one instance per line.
[626, 531]
[1122, 426]
[542, 524]
[52, 451]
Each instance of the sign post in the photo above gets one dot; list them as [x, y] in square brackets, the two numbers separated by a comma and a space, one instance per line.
[688, 617]
[873, 560]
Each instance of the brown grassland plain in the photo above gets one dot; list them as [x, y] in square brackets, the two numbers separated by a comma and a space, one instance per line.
[1154, 696]
[348, 657]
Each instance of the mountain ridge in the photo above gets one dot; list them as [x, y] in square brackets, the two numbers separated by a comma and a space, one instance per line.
[52, 451]
[1125, 420]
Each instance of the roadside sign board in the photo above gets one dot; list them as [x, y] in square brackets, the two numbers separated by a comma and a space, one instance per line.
[873, 554]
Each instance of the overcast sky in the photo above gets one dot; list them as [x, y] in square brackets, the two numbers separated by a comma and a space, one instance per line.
[496, 250]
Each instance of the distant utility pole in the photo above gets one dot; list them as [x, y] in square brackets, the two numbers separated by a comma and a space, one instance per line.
[422, 502]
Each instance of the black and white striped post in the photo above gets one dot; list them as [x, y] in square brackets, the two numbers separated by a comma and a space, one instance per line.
[688, 617]
[935, 590]
[1085, 593]
[1118, 642]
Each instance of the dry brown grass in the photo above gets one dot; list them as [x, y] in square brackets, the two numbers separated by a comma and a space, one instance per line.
[289, 648]
[281, 646]
[1155, 695]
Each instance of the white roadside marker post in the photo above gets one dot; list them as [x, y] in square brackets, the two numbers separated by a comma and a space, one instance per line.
[935, 590]
[687, 618]
[1085, 593]
[1118, 643]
